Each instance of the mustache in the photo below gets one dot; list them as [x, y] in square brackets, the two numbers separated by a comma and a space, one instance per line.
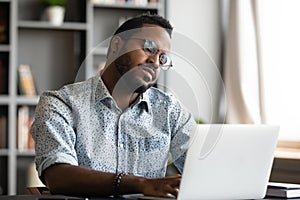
[149, 65]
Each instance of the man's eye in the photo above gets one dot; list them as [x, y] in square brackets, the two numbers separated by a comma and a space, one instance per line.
[150, 50]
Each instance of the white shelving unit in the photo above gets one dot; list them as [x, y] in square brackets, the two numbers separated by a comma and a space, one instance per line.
[57, 55]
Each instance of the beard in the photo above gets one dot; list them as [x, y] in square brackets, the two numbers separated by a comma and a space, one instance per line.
[132, 77]
[142, 89]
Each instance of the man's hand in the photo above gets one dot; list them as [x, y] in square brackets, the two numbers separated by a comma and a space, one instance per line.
[162, 187]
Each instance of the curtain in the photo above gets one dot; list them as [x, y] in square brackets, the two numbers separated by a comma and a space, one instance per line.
[242, 70]
[261, 66]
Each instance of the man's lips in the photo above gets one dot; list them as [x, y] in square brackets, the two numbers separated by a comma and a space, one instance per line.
[150, 71]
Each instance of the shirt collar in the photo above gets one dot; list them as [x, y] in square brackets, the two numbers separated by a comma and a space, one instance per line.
[143, 101]
[101, 90]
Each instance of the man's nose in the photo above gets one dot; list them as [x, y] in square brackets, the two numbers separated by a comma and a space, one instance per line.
[154, 59]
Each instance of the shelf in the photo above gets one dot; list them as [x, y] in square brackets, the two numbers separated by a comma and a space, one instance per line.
[4, 48]
[4, 152]
[25, 153]
[27, 100]
[72, 26]
[4, 99]
[149, 6]
[99, 51]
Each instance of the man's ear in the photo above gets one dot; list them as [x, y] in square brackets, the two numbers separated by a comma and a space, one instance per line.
[116, 44]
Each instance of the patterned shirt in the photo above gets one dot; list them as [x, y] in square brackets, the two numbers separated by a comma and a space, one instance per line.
[80, 124]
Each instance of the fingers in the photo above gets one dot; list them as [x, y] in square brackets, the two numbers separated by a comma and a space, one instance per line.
[169, 186]
[168, 192]
[162, 187]
[174, 181]
[172, 192]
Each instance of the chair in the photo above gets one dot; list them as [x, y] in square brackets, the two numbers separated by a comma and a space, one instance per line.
[37, 191]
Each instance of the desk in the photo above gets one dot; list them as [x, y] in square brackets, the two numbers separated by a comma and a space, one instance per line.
[61, 197]
[50, 197]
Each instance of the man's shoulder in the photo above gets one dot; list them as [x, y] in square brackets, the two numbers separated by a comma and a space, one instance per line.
[73, 91]
[156, 94]
[83, 87]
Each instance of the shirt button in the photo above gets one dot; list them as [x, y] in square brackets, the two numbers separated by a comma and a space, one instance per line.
[121, 145]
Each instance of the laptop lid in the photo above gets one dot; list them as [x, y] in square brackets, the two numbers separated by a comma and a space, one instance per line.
[228, 162]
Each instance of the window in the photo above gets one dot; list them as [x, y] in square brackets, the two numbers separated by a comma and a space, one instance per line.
[280, 50]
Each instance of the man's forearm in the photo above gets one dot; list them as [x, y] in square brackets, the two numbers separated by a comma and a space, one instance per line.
[79, 181]
[74, 180]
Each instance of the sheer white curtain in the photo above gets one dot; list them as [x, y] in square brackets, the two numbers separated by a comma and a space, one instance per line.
[262, 64]
[242, 65]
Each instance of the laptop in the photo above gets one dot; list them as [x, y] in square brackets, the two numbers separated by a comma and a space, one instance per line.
[228, 162]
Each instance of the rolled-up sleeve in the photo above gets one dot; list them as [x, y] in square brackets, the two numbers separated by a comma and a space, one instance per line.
[53, 132]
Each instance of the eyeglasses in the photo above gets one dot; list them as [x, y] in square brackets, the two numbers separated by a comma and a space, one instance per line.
[151, 49]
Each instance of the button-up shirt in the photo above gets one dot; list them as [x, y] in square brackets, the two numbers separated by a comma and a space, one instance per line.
[81, 124]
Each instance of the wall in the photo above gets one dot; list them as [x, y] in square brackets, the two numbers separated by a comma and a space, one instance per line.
[196, 53]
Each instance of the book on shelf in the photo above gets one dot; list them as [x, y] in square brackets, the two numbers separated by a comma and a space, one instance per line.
[285, 190]
[3, 132]
[25, 141]
[26, 82]
[141, 2]
[96, 2]
[30, 143]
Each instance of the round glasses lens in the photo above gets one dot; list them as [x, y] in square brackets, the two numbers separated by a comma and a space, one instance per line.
[163, 59]
[150, 47]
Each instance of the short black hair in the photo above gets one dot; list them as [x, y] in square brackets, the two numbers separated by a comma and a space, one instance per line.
[145, 18]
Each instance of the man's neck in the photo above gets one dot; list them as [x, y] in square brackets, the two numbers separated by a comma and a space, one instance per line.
[118, 89]
[124, 101]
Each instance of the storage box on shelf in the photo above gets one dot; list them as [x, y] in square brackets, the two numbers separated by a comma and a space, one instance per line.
[56, 55]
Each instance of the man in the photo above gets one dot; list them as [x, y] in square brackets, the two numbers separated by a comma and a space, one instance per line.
[113, 133]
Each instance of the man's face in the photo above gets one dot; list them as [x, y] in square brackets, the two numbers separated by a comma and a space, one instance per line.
[135, 64]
